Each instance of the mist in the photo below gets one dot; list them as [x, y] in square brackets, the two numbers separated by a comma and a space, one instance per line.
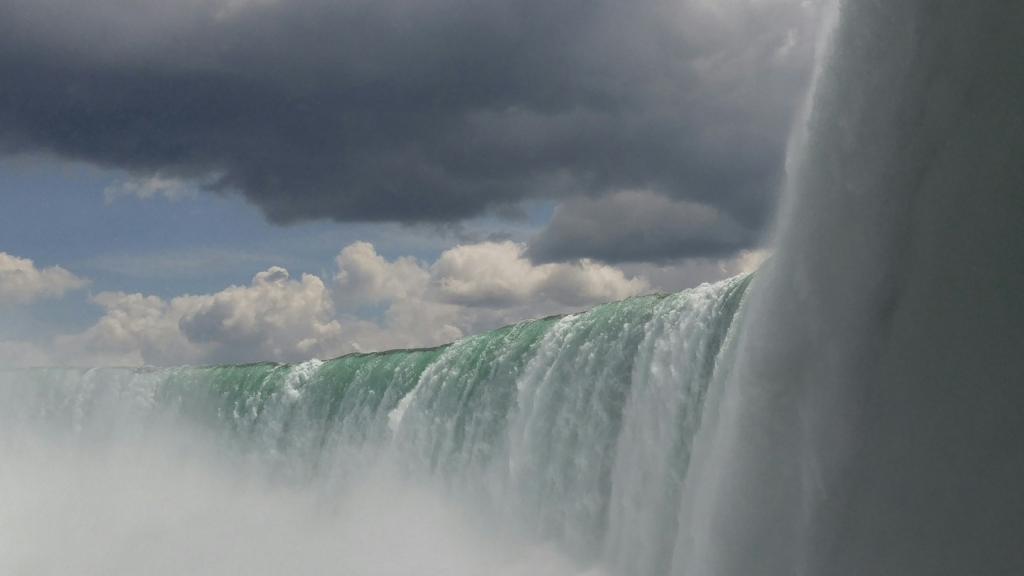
[172, 501]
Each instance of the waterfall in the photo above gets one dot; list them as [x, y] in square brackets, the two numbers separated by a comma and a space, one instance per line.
[858, 408]
[573, 430]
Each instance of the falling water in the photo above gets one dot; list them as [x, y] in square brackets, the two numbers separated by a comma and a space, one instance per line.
[873, 422]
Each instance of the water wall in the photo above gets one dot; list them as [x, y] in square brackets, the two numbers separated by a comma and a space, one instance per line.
[874, 420]
[570, 431]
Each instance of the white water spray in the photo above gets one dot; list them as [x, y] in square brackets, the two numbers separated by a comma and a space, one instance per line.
[872, 422]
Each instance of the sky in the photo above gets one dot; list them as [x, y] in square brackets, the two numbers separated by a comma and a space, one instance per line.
[211, 181]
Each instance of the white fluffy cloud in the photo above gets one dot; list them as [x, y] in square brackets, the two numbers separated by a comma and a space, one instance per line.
[469, 288]
[373, 304]
[274, 318]
[366, 277]
[498, 274]
[21, 282]
[135, 329]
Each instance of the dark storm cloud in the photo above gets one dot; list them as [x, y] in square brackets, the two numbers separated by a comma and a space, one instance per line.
[637, 226]
[414, 110]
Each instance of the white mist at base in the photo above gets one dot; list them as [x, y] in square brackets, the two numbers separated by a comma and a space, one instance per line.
[171, 506]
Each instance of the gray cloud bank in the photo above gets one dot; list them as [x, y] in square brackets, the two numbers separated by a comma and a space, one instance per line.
[633, 226]
[421, 110]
